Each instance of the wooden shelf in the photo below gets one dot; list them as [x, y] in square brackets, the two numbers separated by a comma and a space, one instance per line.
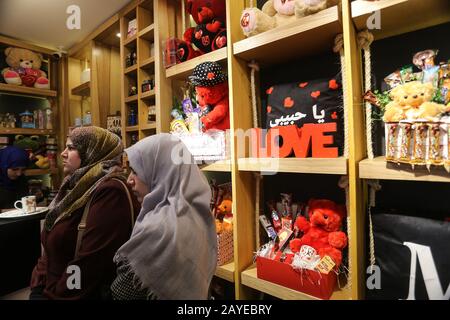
[401, 16]
[148, 126]
[295, 165]
[132, 129]
[182, 70]
[226, 272]
[131, 69]
[378, 168]
[26, 131]
[306, 36]
[148, 33]
[83, 90]
[131, 42]
[40, 172]
[10, 88]
[131, 99]
[148, 94]
[147, 63]
[250, 279]
[218, 166]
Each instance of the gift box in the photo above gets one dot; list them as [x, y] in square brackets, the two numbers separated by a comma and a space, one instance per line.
[314, 283]
[207, 146]
[225, 248]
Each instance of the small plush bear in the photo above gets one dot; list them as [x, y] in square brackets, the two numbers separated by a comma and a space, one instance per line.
[211, 88]
[24, 69]
[412, 101]
[322, 231]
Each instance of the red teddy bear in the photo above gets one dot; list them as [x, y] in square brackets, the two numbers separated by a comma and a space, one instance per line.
[322, 231]
[211, 88]
[210, 33]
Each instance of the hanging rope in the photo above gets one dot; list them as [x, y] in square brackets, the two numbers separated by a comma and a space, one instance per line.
[344, 184]
[365, 39]
[374, 186]
[255, 67]
[258, 178]
[339, 48]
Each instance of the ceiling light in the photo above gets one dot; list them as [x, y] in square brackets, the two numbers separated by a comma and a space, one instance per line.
[118, 35]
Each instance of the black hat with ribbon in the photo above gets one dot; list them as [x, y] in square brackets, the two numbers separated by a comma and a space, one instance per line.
[207, 74]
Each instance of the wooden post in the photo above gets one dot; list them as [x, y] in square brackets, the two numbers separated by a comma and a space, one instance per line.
[357, 150]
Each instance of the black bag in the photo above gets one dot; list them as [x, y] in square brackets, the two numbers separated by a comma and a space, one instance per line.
[409, 250]
[315, 101]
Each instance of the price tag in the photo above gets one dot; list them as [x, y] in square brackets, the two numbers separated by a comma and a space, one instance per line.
[326, 264]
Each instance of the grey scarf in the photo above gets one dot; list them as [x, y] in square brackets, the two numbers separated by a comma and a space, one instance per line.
[173, 247]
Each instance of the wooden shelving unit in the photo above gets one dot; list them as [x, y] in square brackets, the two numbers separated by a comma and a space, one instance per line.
[131, 69]
[309, 35]
[25, 131]
[378, 168]
[131, 99]
[9, 88]
[294, 165]
[53, 99]
[250, 279]
[83, 90]
[132, 129]
[226, 272]
[400, 16]
[182, 70]
[218, 166]
[148, 33]
[147, 63]
[148, 94]
[40, 172]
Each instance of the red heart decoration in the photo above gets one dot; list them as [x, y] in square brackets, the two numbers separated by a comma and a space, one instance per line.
[334, 115]
[315, 94]
[270, 90]
[303, 84]
[288, 102]
[269, 109]
[333, 84]
[211, 75]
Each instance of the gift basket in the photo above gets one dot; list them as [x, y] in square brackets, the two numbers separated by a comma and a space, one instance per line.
[305, 248]
[416, 112]
[201, 119]
[221, 208]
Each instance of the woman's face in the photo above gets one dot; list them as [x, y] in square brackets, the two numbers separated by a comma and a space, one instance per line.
[71, 158]
[15, 173]
[140, 189]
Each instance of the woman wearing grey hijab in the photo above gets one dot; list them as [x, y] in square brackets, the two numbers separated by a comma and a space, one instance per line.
[172, 252]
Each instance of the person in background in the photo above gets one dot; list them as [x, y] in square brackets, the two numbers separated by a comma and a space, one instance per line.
[172, 252]
[94, 185]
[13, 162]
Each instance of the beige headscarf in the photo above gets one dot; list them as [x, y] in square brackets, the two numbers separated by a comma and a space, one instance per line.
[173, 247]
[100, 152]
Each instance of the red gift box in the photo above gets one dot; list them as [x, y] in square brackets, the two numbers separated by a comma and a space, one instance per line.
[310, 282]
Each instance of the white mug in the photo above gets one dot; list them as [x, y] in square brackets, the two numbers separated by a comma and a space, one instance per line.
[28, 204]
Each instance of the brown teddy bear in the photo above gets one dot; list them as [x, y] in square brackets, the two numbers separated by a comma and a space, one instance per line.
[412, 101]
[24, 69]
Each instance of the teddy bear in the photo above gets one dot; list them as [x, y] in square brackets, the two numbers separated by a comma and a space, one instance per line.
[225, 222]
[411, 101]
[321, 232]
[211, 88]
[24, 68]
[276, 13]
[210, 32]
